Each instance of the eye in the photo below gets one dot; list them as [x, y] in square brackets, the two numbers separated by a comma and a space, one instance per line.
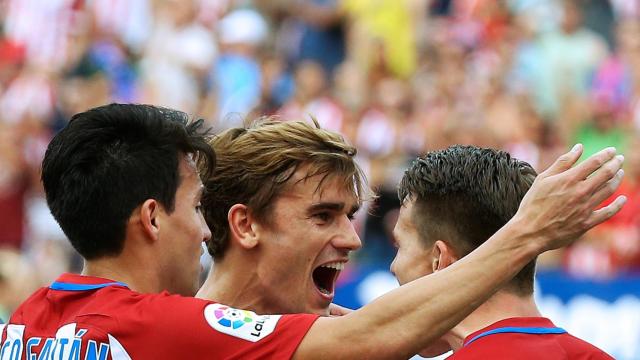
[351, 216]
[323, 216]
[199, 207]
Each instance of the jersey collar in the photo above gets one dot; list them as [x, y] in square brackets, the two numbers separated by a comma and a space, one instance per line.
[75, 282]
[532, 322]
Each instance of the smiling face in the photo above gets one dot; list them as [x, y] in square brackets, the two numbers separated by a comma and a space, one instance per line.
[305, 243]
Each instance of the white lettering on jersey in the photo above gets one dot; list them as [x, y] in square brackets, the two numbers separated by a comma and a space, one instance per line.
[67, 345]
[117, 350]
[242, 324]
[12, 347]
[96, 351]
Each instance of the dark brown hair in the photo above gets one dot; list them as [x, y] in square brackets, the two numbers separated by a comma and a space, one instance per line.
[465, 194]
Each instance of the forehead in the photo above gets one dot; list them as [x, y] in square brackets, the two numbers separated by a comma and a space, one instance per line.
[405, 217]
[321, 187]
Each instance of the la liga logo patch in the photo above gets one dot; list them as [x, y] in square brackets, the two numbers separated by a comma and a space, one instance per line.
[233, 318]
[242, 324]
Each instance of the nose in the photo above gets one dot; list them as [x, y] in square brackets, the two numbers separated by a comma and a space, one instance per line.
[392, 267]
[206, 232]
[348, 239]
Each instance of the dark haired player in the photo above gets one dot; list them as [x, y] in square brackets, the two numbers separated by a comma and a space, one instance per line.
[453, 200]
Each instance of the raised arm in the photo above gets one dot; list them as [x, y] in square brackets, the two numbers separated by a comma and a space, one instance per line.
[559, 208]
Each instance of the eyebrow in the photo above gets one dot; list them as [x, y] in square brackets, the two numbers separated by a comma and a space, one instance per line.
[332, 206]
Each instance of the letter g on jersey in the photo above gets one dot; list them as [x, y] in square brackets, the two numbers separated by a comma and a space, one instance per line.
[242, 324]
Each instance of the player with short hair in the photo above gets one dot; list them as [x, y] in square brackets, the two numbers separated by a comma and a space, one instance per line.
[118, 308]
[266, 178]
[453, 200]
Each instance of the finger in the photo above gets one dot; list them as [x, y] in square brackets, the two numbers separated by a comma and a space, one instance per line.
[564, 162]
[607, 189]
[605, 173]
[593, 163]
[601, 215]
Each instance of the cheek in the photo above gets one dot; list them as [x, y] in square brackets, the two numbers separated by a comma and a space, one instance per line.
[195, 225]
[409, 268]
[399, 267]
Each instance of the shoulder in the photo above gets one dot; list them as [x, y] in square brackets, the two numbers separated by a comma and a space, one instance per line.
[31, 305]
[179, 325]
[523, 346]
[580, 349]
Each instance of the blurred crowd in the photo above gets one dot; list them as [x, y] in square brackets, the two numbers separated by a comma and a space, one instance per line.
[396, 77]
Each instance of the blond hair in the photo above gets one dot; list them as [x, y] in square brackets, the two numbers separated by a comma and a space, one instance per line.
[254, 164]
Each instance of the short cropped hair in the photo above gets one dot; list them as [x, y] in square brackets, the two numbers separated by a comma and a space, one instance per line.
[255, 163]
[465, 194]
[109, 160]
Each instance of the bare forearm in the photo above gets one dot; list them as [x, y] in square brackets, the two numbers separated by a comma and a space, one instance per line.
[406, 320]
[559, 207]
[434, 304]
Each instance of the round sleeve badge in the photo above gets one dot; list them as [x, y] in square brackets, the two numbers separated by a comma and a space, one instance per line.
[242, 324]
[233, 318]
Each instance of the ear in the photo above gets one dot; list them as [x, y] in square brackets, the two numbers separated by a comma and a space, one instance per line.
[244, 229]
[149, 218]
[442, 255]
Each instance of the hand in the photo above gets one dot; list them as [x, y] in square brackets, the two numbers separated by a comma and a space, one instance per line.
[561, 204]
[337, 310]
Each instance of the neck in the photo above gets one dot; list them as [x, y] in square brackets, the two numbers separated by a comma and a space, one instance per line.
[501, 306]
[133, 272]
[233, 286]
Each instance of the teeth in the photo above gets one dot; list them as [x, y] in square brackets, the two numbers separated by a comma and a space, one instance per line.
[334, 265]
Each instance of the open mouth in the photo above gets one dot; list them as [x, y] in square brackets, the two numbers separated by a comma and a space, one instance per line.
[325, 276]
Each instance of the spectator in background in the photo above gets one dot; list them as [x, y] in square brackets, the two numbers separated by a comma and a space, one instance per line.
[179, 54]
[320, 24]
[382, 136]
[613, 248]
[599, 17]
[350, 87]
[28, 95]
[311, 98]
[236, 75]
[17, 281]
[14, 183]
[569, 58]
[601, 115]
[125, 22]
[382, 36]
[602, 125]
[277, 85]
[44, 29]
